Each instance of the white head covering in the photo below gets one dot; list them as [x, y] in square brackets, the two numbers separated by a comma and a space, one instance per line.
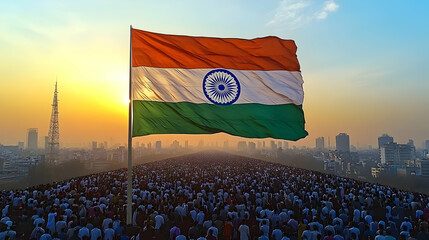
[9, 224]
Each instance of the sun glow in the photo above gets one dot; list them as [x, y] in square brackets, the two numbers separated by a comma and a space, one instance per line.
[126, 100]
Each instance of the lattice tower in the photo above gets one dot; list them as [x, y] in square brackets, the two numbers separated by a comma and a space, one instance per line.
[54, 132]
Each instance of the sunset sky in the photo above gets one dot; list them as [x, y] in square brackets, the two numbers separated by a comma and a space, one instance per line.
[364, 63]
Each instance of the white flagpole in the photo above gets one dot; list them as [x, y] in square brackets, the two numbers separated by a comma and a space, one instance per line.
[130, 143]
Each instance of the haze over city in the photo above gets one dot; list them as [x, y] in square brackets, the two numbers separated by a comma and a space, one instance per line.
[363, 63]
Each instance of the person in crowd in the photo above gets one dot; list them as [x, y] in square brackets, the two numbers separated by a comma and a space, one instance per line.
[214, 196]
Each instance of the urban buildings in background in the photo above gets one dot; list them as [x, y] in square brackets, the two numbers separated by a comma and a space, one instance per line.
[32, 139]
[320, 143]
[343, 159]
[392, 153]
[384, 139]
[391, 158]
[342, 142]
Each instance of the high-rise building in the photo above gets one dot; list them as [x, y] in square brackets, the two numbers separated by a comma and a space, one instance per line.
[273, 145]
[21, 145]
[320, 143]
[413, 148]
[32, 138]
[175, 144]
[384, 139]
[425, 167]
[342, 142]
[389, 153]
[405, 153]
[395, 154]
[427, 144]
[158, 145]
[242, 146]
[94, 145]
[285, 145]
[251, 146]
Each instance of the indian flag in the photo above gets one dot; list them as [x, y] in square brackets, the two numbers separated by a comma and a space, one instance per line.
[203, 85]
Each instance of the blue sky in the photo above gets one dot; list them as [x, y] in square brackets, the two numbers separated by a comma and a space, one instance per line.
[364, 63]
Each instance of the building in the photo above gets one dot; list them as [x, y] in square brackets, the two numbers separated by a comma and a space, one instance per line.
[377, 171]
[389, 154]
[407, 171]
[285, 145]
[175, 145]
[21, 145]
[342, 142]
[395, 154]
[273, 145]
[242, 146]
[94, 145]
[424, 165]
[320, 143]
[158, 146]
[405, 152]
[384, 139]
[427, 144]
[32, 138]
[251, 146]
[413, 148]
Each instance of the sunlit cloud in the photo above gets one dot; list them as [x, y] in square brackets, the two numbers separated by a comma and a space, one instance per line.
[295, 13]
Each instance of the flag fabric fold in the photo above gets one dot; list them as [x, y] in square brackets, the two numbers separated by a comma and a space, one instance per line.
[202, 85]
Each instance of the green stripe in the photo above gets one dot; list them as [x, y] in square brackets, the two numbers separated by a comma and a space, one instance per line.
[245, 120]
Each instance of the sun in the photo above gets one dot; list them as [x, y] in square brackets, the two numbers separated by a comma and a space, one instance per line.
[125, 100]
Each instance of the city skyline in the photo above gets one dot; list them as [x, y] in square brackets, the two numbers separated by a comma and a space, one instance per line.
[319, 143]
[364, 76]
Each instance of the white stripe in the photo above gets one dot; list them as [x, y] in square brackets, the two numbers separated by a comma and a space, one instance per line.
[185, 85]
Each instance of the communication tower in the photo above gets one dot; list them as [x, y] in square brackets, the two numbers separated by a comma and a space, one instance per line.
[54, 132]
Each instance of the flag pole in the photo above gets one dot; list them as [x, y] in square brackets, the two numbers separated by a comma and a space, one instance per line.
[130, 143]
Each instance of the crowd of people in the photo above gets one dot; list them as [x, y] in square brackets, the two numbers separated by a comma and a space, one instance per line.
[214, 195]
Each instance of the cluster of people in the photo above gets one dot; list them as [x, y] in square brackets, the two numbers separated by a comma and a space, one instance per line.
[214, 196]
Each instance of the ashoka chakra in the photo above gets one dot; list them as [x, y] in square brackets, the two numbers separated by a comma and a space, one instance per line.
[221, 87]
